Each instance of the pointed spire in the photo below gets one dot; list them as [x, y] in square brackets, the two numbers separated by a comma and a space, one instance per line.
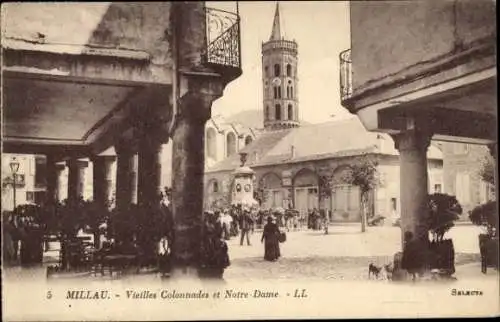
[276, 32]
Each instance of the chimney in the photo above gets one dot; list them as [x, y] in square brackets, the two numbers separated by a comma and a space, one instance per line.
[292, 151]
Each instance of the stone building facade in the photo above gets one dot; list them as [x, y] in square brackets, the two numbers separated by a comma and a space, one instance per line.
[295, 164]
[122, 77]
[30, 180]
[279, 79]
[291, 169]
[224, 139]
[462, 174]
[435, 78]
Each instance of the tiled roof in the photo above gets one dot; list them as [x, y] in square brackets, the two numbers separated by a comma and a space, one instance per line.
[314, 142]
[223, 125]
[261, 145]
[330, 137]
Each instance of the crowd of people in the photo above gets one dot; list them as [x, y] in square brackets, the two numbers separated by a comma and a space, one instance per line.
[242, 221]
[239, 221]
[220, 225]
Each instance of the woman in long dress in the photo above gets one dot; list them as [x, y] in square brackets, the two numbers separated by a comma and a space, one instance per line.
[270, 235]
[8, 248]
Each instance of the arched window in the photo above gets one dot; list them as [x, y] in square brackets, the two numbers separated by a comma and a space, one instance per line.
[248, 140]
[278, 112]
[290, 112]
[230, 144]
[291, 92]
[288, 70]
[211, 139]
[266, 71]
[215, 187]
[267, 115]
[277, 92]
[288, 92]
[277, 70]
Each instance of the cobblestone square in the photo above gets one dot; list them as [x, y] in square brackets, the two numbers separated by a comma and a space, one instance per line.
[343, 254]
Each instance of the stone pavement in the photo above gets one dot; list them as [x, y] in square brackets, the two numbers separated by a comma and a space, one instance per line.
[332, 269]
[343, 254]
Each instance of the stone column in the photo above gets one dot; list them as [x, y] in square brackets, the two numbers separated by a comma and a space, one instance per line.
[124, 180]
[134, 173]
[188, 161]
[149, 174]
[412, 146]
[75, 179]
[59, 169]
[52, 179]
[102, 178]
[195, 88]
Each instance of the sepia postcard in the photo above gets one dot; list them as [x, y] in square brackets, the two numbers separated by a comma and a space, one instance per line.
[249, 160]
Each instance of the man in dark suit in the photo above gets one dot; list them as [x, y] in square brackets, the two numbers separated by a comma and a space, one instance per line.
[246, 224]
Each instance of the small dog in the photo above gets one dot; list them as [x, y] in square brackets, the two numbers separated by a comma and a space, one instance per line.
[388, 269]
[373, 271]
[384, 272]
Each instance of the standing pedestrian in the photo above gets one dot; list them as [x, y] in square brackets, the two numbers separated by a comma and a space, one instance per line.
[271, 237]
[245, 226]
[9, 251]
[226, 221]
[235, 219]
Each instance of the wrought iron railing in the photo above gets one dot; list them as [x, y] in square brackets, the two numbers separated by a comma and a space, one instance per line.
[345, 74]
[223, 38]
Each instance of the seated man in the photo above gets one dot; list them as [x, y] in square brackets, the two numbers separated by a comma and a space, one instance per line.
[413, 255]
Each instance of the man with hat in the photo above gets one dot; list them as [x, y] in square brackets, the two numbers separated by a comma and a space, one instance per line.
[246, 224]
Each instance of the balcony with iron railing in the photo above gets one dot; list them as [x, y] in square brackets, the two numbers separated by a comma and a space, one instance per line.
[345, 75]
[223, 52]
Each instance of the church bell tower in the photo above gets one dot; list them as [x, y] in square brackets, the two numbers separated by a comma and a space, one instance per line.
[279, 78]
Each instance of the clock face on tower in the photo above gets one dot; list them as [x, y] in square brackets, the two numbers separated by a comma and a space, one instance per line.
[277, 82]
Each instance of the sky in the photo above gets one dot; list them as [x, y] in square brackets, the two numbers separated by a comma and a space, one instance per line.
[321, 29]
